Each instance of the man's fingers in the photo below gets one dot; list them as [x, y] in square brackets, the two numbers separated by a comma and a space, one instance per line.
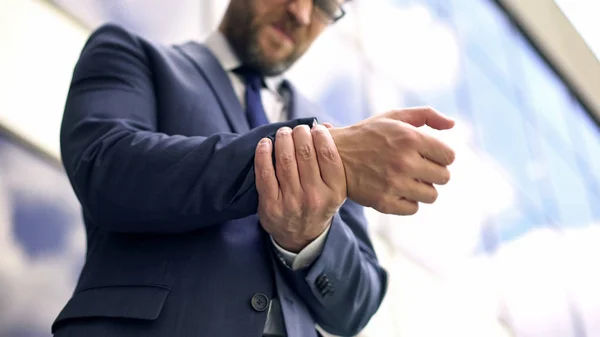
[308, 167]
[397, 206]
[330, 163]
[285, 161]
[436, 151]
[328, 125]
[423, 116]
[418, 191]
[266, 182]
[430, 172]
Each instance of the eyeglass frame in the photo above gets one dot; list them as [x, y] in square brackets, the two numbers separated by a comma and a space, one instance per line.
[335, 19]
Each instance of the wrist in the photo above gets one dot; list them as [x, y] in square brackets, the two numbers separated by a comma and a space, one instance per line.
[291, 245]
[339, 136]
[297, 244]
[341, 139]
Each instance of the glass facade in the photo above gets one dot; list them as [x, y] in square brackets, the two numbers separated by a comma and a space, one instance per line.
[514, 233]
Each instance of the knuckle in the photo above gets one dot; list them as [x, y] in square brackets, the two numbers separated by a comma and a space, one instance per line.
[401, 164]
[339, 199]
[293, 207]
[286, 160]
[407, 164]
[390, 180]
[265, 174]
[272, 210]
[411, 137]
[314, 202]
[304, 152]
[328, 153]
[287, 165]
[428, 109]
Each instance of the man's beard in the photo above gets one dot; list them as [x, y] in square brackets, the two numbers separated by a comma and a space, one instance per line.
[245, 44]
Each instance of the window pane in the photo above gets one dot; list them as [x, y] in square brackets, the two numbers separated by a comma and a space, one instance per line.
[483, 29]
[501, 130]
[569, 189]
[545, 93]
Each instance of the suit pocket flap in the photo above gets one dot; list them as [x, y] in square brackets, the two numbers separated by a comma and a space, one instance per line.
[139, 302]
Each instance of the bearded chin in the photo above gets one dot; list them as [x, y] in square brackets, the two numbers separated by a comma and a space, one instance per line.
[253, 56]
[245, 44]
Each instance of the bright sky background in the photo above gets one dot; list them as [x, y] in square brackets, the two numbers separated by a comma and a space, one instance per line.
[584, 16]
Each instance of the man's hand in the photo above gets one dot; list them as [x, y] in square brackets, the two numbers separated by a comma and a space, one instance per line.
[298, 200]
[391, 165]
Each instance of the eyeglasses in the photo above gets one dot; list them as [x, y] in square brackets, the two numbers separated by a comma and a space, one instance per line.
[329, 11]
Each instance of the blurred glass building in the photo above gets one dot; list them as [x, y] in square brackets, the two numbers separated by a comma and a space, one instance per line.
[509, 248]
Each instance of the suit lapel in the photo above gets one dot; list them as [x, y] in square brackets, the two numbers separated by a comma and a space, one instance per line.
[219, 82]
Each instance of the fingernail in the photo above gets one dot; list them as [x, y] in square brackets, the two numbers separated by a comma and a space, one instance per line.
[264, 142]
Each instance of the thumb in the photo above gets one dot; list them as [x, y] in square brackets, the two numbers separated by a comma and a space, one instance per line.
[424, 116]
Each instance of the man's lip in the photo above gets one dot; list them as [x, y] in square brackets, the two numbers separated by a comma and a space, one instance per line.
[283, 32]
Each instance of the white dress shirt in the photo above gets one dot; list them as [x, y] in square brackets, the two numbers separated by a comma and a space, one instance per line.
[276, 111]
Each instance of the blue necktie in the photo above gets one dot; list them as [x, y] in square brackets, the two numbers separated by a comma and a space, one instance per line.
[255, 112]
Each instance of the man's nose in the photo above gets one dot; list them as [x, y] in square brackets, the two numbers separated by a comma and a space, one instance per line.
[301, 10]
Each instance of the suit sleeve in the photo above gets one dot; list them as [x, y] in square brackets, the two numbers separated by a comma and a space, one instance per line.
[345, 286]
[130, 178]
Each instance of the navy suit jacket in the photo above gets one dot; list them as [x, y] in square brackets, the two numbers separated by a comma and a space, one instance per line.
[160, 155]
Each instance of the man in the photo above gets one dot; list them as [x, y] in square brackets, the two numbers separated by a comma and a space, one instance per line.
[202, 218]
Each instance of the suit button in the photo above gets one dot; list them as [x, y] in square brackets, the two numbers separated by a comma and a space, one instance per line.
[260, 302]
[324, 285]
[322, 281]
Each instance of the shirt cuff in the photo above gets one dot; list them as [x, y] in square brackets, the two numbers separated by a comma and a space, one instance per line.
[306, 256]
